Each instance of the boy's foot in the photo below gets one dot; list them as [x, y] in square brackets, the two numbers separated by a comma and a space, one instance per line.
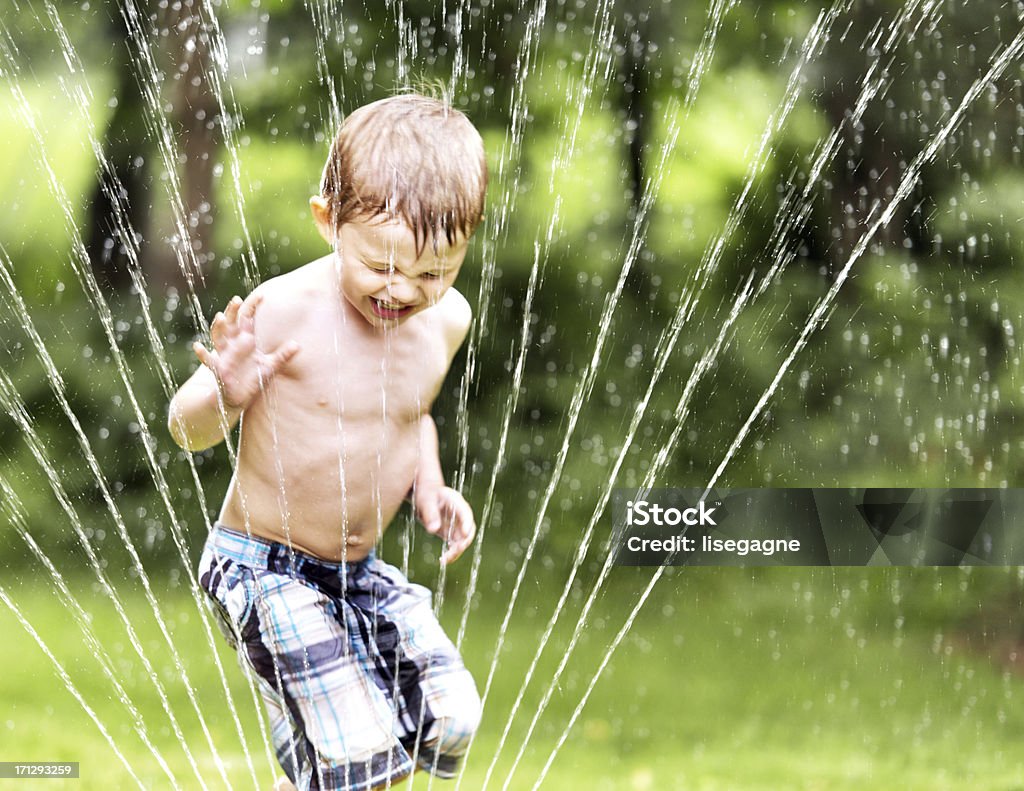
[283, 784]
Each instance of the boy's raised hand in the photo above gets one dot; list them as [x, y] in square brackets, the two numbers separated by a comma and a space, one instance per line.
[445, 513]
[240, 368]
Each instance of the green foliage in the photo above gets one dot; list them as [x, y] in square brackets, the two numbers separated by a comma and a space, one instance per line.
[914, 378]
[279, 178]
[817, 678]
[33, 229]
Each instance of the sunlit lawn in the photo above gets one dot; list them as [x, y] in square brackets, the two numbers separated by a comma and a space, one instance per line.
[727, 680]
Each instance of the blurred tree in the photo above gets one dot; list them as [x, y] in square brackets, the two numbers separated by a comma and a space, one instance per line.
[195, 115]
[127, 178]
[181, 84]
[914, 380]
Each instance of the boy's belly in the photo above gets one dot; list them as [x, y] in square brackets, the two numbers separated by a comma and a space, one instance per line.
[327, 498]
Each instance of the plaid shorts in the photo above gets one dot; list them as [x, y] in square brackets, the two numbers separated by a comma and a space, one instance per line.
[359, 680]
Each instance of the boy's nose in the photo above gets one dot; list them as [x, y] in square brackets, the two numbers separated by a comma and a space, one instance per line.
[401, 289]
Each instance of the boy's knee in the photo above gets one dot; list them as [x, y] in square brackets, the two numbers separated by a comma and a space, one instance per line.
[452, 732]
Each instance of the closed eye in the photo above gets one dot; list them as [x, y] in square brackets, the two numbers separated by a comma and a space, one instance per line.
[377, 267]
[431, 275]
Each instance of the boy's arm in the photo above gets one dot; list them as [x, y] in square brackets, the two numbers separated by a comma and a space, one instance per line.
[441, 509]
[428, 470]
[232, 375]
[196, 418]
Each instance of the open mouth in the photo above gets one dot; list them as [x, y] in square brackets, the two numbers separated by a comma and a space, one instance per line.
[389, 310]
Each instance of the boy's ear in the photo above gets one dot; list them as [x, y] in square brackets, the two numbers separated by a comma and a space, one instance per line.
[321, 212]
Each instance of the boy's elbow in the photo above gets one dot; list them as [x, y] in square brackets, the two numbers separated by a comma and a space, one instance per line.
[191, 444]
[178, 430]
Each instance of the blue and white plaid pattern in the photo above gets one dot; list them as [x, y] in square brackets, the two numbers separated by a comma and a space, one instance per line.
[359, 680]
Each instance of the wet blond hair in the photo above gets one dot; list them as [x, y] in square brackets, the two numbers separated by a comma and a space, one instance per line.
[409, 157]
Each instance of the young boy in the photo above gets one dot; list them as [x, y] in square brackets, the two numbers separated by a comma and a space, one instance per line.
[332, 369]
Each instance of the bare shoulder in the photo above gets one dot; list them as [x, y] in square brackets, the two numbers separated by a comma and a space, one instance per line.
[285, 301]
[456, 316]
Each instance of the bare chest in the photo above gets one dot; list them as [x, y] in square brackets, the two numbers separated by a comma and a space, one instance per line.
[348, 374]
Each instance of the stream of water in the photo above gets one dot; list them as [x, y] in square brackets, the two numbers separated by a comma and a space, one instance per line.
[649, 434]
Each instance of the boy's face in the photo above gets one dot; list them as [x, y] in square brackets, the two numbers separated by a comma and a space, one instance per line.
[382, 276]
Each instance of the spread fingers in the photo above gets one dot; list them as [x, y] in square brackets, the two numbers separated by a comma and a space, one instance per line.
[248, 311]
[231, 311]
[283, 354]
[204, 355]
[218, 328]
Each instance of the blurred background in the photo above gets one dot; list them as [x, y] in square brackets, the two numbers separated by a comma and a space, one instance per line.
[760, 244]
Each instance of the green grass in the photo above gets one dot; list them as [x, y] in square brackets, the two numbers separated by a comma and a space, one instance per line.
[728, 680]
[32, 224]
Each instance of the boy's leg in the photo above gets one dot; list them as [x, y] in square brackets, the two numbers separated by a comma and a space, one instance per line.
[305, 644]
[330, 724]
[227, 582]
[437, 705]
[394, 783]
